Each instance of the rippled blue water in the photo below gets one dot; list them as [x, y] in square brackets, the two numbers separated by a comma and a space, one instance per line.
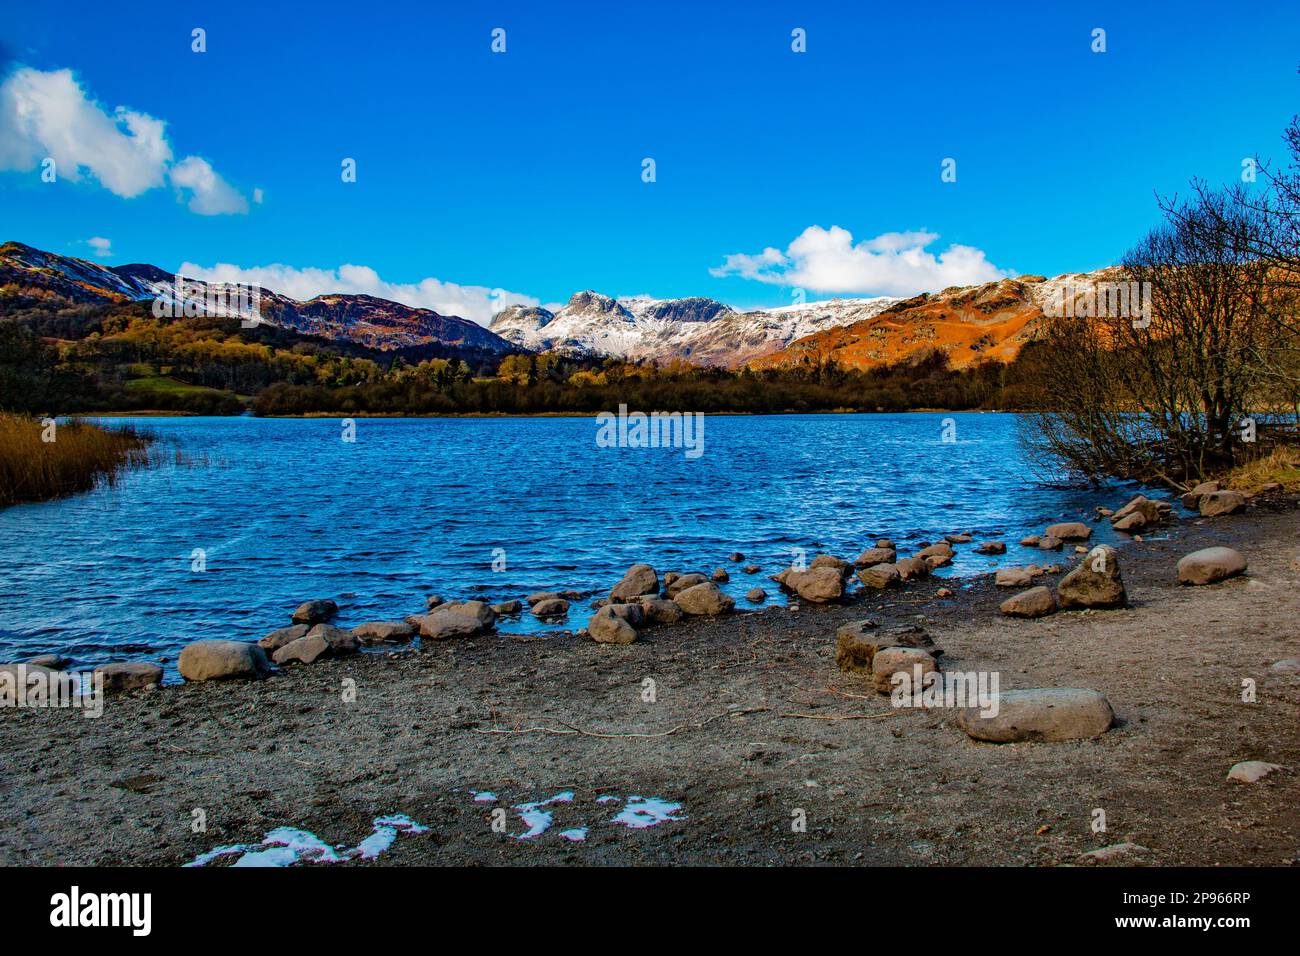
[284, 511]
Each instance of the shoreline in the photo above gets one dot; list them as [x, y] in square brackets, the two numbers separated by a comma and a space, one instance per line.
[430, 725]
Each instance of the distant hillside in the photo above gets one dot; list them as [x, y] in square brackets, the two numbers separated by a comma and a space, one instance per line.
[966, 323]
[361, 319]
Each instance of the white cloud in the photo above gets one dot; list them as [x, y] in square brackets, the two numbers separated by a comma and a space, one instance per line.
[209, 194]
[103, 247]
[49, 114]
[473, 302]
[894, 263]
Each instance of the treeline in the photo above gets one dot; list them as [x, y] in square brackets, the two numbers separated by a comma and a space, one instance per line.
[552, 386]
[62, 358]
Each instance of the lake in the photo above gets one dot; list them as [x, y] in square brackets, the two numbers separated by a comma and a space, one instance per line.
[284, 510]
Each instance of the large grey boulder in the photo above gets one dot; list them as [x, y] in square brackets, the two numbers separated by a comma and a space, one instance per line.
[314, 612]
[606, 627]
[383, 632]
[305, 650]
[442, 624]
[1096, 582]
[707, 599]
[889, 661]
[874, 556]
[817, 585]
[129, 676]
[1192, 500]
[857, 643]
[340, 641]
[1069, 531]
[640, 579]
[681, 582]
[657, 610]
[282, 636]
[912, 569]
[480, 612]
[222, 660]
[1036, 602]
[552, 609]
[880, 576]
[1048, 714]
[1210, 565]
[1218, 503]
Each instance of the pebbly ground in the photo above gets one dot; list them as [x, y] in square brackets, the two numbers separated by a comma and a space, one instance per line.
[907, 788]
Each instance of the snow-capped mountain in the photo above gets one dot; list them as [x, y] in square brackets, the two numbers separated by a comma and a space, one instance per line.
[695, 328]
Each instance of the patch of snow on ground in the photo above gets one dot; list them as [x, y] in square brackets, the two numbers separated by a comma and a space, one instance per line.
[285, 846]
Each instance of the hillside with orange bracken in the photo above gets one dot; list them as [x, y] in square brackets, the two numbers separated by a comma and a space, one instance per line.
[969, 323]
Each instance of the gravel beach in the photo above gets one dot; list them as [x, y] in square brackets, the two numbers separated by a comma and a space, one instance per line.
[770, 754]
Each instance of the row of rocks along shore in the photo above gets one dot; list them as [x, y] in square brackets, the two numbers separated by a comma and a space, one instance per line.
[645, 599]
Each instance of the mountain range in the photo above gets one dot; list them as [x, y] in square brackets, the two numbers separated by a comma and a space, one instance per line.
[969, 323]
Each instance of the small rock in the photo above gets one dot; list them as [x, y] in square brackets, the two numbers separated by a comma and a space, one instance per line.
[1031, 541]
[1048, 543]
[305, 650]
[443, 623]
[478, 611]
[1096, 582]
[1252, 771]
[683, 581]
[130, 676]
[706, 599]
[1115, 853]
[818, 585]
[943, 593]
[508, 608]
[880, 576]
[875, 556]
[433, 601]
[891, 660]
[913, 569]
[606, 627]
[285, 635]
[1047, 714]
[992, 547]
[1192, 500]
[55, 662]
[640, 579]
[383, 632]
[551, 609]
[1014, 577]
[737, 557]
[1210, 565]
[1069, 531]
[1290, 665]
[720, 576]
[537, 597]
[314, 612]
[845, 568]
[1132, 522]
[1036, 602]
[658, 610]
[857, 644]
[340, 641]
[751, 569]
[756, 596]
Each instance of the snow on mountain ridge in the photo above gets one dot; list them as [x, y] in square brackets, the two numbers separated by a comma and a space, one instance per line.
[695, 328]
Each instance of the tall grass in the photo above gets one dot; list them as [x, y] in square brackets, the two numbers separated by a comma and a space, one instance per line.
[81, 457]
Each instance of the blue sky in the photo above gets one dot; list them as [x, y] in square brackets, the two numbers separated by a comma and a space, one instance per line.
[522, 171]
